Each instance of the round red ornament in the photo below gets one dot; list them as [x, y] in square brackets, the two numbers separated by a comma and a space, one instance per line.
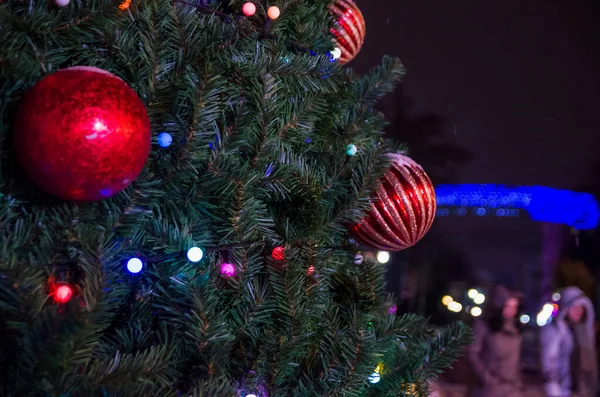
[402, 208]
[82, 134]
[349, 30]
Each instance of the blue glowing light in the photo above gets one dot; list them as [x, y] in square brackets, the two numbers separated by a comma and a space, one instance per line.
[195, 254]
[135, 265]
[575, 209]
[164, 139]
[351, 149]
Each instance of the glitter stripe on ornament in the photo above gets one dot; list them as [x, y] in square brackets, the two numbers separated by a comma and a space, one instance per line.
[349, 30]
[402, 210]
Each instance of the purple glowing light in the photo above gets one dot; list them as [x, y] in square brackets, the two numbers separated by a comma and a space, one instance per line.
[227, 269]
[393, 309]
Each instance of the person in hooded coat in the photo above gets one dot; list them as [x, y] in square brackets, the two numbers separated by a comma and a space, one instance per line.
[569, 348]
[495, 356]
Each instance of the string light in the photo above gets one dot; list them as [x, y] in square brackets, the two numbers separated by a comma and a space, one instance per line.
[249, 9]
[473, 293]
[135, 265]
[524, 319]
[124, 5]
[351, 149]
[336, 53]
[479, 299]
[227, 269]
[383, 257]
[164, 139]
[374, 378]
[278, 253]
[476, 311]
[446, 300]
[273, 12]
[358, 258]
[195, 254]
[63, 294]
[556, 297]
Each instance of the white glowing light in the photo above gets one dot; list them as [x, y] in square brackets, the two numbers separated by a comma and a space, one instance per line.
[195, 254]
[544, 315]
[548, 308]
[336, 53]
[374, 378]
[524, 319]
[542, 319]
[383, 257]
[473, 293]
[446, 300]
[455, 307]
[476, 311]
[250, 395]
[135, 265]
[479, 299]
[556, 296]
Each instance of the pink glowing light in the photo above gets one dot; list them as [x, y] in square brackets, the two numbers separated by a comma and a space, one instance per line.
[227, 269]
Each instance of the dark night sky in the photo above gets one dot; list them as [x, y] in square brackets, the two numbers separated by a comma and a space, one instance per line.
[519, 84]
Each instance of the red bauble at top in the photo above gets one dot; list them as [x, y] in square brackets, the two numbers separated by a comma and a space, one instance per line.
[402, 208]
[82, 134]
[349, 30]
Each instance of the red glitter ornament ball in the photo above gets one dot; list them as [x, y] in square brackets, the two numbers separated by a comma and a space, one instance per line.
[82, 134]
[63, 294]
[402, 209]
[349, 30]
[278, 253]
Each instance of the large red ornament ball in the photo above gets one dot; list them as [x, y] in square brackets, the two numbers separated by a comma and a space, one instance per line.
[402, 208]
[349, 30]
[82, 134]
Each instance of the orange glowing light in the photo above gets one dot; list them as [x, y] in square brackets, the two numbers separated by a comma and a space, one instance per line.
[124, 5]
[273, 12]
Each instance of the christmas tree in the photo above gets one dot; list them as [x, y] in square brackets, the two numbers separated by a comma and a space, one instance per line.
[226, 267]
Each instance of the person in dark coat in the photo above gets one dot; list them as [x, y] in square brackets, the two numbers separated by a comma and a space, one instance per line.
[495, 356]
[569, 348]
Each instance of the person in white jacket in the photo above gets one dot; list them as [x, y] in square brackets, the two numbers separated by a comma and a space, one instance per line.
[569, 348]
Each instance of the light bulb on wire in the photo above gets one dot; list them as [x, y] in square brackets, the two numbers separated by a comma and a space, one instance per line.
[135, 265]
[227, 269]
[383, 257]
[479, 299]
[446, 300]
[195, 254]
[63, 294]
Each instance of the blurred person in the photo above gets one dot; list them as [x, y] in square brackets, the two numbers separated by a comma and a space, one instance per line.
[495, 356]
[569, 348]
